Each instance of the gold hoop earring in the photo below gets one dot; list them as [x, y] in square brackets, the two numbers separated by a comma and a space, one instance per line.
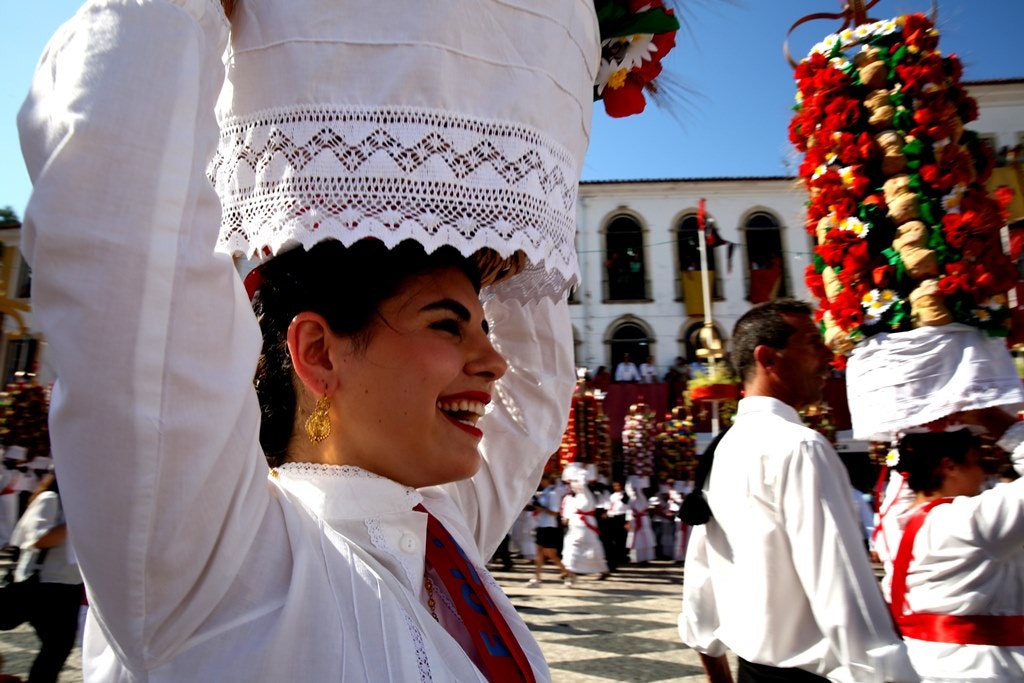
[318, 424]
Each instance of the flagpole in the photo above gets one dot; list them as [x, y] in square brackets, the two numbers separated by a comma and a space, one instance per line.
[708, 332]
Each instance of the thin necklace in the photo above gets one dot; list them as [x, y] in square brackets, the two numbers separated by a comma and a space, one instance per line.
[431, 603]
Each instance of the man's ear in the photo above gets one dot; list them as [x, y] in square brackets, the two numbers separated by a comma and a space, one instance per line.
[765, 356]
[309, 344]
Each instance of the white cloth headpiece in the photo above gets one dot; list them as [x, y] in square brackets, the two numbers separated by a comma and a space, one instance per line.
[896, 382]
[460, 123]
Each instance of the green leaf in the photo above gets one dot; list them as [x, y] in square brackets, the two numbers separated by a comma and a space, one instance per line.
[927, 210]
[914, 148]
[655, 20]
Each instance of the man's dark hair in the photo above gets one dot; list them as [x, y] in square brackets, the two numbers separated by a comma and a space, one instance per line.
[763, 324]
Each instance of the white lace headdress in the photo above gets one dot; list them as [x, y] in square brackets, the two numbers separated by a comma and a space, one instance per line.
[462, 123]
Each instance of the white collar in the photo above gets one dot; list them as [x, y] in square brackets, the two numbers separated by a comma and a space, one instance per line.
[343, 492]
[768, 404]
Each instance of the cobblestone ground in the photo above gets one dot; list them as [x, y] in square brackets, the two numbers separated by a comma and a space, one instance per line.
[621, 629]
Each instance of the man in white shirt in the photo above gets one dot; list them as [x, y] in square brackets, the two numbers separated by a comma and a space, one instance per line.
[626, 371]
[648, 373]
[779, 574]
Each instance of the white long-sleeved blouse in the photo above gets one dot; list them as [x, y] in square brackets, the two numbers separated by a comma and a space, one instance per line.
[200, 564]
[968, 559]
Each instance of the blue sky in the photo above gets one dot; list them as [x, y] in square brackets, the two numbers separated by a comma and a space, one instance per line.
[735, 88]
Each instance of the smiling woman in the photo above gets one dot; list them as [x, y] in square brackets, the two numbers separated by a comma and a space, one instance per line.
[402, 365]
[411, 347]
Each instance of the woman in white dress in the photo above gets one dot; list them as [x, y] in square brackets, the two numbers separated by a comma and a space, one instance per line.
[582, 551]
[954, 559]
[640, 539]
[330, 523]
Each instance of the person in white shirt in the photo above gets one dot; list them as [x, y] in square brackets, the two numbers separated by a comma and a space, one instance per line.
[332, 521]
[549, 535]
[626, 371]
[954, 556]
[779, 574]
[42, 536]
[648, 372]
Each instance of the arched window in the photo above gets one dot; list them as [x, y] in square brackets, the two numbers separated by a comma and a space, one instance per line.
[624, 260]
[688, 253]
[766, 274]
[629, 338]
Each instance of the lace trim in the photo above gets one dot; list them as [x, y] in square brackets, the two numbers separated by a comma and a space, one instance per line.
[304, 174]
[316, 469]
[421, 650]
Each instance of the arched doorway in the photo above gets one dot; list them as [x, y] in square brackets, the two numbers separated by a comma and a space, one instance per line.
[629, 337]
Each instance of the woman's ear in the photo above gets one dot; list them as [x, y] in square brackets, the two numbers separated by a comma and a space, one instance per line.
[310, 341]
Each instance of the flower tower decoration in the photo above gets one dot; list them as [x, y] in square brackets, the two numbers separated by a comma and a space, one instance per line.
[907, 234]
[635, 37]
[587, 439]
[24, 410]
[676, 446]
[639, 435]
[908, 250]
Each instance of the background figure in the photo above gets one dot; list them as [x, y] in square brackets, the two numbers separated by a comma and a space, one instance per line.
[616, 527]
[41, 534]
[9, 475]
[640, 540]
[779, 574]
[956, 584]
[522, 534]
[627, 371]
[676, 378]
[582, 552]
[648, 372]
[548, 530]
[602, 379]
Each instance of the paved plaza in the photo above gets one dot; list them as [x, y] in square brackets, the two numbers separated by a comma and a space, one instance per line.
[621, 629]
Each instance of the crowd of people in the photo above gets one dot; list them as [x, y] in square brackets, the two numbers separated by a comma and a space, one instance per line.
[583, 525]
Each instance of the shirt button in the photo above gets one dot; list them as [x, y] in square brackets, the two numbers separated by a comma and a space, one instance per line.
[408, 543]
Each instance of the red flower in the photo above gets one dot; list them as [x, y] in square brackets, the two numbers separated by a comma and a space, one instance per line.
[882, 276]
[917, 32]
[953, 229]
[627, 100]
[1004, 196]
[847, 311]
[948, 285]
[814, 282]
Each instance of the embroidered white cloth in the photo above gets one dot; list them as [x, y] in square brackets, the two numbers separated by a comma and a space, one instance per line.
[780, 574]
[906, 379]
[462, 123]
[198, 568]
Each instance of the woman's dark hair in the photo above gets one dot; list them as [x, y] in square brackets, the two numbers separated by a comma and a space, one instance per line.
[346, 285]
[48, 482]
[921, 453]
[763, 324]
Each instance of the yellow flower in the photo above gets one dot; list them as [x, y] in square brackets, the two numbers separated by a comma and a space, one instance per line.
[617, 79]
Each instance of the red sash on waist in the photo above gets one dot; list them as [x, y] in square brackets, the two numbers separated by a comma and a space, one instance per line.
[590, 525]
[967, 629]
